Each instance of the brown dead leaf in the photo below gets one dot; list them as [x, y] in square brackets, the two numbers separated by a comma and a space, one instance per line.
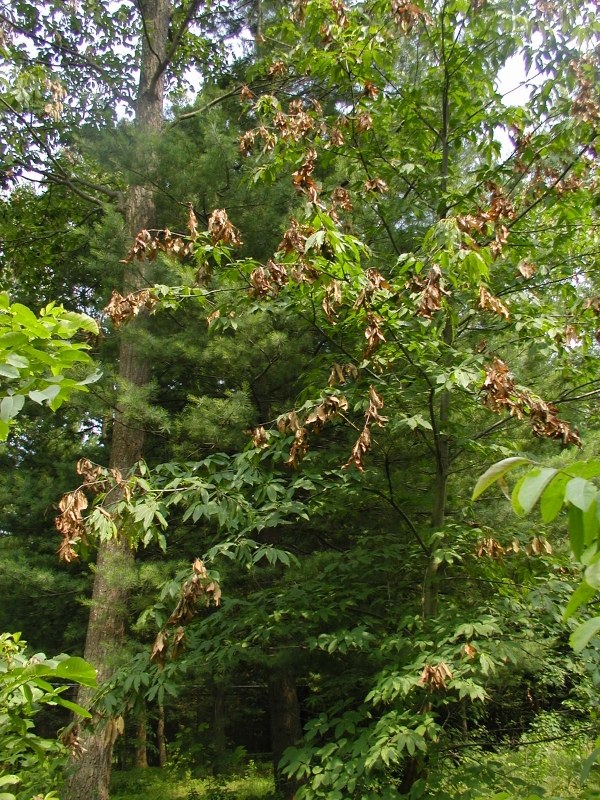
[364, 122]
[490, 548]
[488, 302]
[432, 290]
[332, 299]
[260, 437]
[527, 269]
[406, 14]
[221, 229]
[435, 677]
[376, 185]
[123, 309]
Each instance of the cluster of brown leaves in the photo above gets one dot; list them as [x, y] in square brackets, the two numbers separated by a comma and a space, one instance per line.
[302, 180]
[69, 737]
[435, 677]
[363, 443]
[277, 69]
[488, 302]
[317, 418]
[70, 523]
[247, 140]
[586, 105]
[376, 185]
[342, 373]
[469, 651]
[370, 90]
[363, 122]
[123, 309]
[500, 208]
[536, 547]
[54, 107]
[260, 437]
[489, 547]
[374, 282]
[296, 124]
[429, 292]
[407, 14]
[501, 394]
[327, 31]
[299, 10]
[148, 244]
[294, 239]
[268, 280]
[527, 269]
[340, 199]
[332, 299]
[373, 333]
[336, 137]
[221, 230]
[199, 587]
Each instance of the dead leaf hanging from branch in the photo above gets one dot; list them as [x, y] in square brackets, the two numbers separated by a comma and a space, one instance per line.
[123, 309]
[501, 394]
[199, 589]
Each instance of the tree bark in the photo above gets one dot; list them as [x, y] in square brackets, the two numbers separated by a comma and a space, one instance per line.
[141, 741]
[89, 777]
[219, 727]
[286, 728]
[160, 736]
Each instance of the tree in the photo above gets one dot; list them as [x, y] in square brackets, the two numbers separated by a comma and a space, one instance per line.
[458, 260]
[419, 264]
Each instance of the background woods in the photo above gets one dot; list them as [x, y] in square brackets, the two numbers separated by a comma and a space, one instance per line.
[329, 270]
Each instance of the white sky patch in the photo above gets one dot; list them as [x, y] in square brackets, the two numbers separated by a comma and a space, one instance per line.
[515, 84]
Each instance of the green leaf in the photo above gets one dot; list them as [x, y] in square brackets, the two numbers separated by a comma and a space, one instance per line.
[78, 670]
[76, 709]
[49, 393]
[533, 485]
[8, 371]
[17, 361]
[582, 594]
[592, 575]
[10, 406]
[580, 493]
[576, 530]
[553, 497]
[588, 764]
[584, 469]
[581, 636]
[497, 471]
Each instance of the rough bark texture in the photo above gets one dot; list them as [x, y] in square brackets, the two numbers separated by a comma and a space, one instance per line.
[141, 741]
[286, 728]
[90, 776]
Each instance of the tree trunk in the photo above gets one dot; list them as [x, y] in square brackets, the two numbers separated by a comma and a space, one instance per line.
[141, 741]
[219, 727]
[286, 729]
[160, 736]
[89, 777]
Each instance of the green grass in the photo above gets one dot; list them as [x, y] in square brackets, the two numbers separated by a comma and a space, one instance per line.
[166, 784]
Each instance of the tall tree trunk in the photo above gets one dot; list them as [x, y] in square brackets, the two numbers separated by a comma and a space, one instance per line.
[90, 776]
[160, 736]
[141, 740]
[219, 727]
[286, 729]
